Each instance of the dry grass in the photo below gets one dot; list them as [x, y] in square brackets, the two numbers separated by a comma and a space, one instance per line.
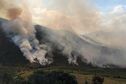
[81, 79]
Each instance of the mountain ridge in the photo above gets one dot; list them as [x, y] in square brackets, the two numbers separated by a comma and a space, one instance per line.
[11, 49]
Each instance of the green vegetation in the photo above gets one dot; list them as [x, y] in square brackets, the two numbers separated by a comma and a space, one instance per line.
[38, 77]
[21, 75]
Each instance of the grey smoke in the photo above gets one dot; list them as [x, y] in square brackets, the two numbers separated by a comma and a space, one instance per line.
[42, 41]
[74, 47]
[83, 19]
[25, 40]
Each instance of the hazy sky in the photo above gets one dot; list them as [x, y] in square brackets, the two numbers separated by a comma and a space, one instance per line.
[103, 5]
[107, 5]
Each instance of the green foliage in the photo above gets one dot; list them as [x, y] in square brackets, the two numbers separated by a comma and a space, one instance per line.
[52, 78]
[39, 77]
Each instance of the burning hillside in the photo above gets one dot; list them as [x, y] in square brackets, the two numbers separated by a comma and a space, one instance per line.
[63, 30]
[40, 45]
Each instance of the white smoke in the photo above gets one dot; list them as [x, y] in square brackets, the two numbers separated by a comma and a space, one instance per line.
[73, 47]
[25, 40]
[71, 18]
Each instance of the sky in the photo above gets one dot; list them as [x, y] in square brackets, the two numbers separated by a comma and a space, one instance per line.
[108, 5]
[102, 5]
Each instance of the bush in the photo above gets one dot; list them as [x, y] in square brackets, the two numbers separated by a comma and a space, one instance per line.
[52, 78]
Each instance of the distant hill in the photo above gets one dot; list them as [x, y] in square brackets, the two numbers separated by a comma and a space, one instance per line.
[79, 43]
[10, 54]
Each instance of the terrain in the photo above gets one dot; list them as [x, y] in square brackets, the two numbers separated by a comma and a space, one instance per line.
[13, 62]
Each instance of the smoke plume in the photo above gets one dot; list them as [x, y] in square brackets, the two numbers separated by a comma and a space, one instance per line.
[65, 21]
[21, 31]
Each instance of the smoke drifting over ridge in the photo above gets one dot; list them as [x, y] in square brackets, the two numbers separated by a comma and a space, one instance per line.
[58, 14]
[67, 20]
[72, 14]
[21, 31]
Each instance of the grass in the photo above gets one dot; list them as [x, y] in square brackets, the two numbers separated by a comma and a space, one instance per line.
[107, 80]
[112, 76]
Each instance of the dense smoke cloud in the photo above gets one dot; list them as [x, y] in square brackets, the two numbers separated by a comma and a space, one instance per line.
[57, 14]
[66, 21]
[25, 40]
[21, 31]
[73, 47]
[63, 14]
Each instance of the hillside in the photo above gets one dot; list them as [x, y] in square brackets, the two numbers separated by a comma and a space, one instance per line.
[61, 45]
[13, 62]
